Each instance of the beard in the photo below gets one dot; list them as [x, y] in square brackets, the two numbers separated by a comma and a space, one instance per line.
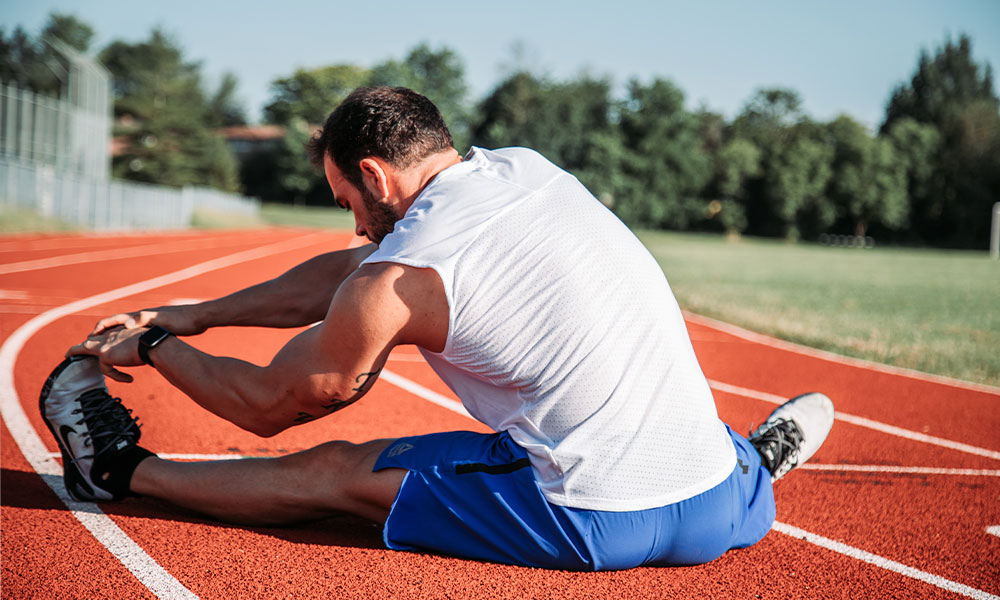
[382, 218]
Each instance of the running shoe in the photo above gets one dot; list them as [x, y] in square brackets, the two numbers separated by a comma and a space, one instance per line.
[96, 434]
[793, 433]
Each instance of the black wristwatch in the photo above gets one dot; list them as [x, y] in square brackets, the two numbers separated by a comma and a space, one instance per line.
[151, 339]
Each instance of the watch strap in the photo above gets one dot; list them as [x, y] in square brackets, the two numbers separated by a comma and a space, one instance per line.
[151, 339]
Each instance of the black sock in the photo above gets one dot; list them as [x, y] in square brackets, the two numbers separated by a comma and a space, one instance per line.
[113, 471]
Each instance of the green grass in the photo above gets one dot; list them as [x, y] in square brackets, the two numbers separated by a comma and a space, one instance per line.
[281, 215]
[13, 220]
[307, 216]
[931, 310]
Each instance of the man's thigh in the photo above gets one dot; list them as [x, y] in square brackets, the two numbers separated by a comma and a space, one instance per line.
[341, 477]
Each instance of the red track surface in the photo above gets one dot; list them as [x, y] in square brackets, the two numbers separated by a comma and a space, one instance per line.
[904, 533]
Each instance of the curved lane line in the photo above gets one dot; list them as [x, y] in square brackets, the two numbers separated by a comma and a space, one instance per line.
[144, 567]
[885, 563]
[773, 342]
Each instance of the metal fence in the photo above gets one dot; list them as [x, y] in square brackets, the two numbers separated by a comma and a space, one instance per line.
[72, 132]
[110, 205]
[55, 160]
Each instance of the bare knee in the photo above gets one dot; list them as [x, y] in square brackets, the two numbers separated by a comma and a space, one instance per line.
[338, 476]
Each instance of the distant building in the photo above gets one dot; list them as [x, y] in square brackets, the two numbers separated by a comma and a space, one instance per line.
[244, 140]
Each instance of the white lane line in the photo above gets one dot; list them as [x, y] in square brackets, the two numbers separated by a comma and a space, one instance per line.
[766, 340]
[425, 393]
[885, 563]
[862, 422]
[993, 530]
[406, 358]
[902, 470]
[82, 240]
[118, 253]
[144, 567]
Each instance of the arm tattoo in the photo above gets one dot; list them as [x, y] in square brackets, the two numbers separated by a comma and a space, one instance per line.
[369, 381]
[365, 381]
[304, 417]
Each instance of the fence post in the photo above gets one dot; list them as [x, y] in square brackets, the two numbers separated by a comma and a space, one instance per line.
[45, 182]
[995, 232]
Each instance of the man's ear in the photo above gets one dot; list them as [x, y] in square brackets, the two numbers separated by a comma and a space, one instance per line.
[375, 175]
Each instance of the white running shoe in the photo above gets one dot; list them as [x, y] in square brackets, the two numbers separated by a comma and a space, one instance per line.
[793, 433]
[95, 432]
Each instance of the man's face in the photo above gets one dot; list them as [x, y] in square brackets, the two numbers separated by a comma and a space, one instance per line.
[372, 218]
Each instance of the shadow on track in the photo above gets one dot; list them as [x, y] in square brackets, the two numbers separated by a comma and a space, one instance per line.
[27, 490]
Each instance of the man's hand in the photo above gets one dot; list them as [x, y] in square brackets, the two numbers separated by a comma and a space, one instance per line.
[116, 346]
[179, 320]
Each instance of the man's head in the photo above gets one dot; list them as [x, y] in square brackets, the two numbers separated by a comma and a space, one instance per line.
[396, 125]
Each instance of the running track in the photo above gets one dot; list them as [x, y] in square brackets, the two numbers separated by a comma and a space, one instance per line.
[902, 501]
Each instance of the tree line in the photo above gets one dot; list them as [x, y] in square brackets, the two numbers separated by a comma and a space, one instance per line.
[928, 175]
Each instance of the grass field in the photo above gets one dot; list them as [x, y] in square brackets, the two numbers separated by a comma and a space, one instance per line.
[932, 310]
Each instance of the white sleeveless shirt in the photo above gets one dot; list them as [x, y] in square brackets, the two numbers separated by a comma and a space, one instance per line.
[564, 333]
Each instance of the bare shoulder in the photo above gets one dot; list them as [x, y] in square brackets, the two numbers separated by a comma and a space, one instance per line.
[410, 301]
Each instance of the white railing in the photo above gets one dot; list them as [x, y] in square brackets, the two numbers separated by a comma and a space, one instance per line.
[110, 204]
[53, 131]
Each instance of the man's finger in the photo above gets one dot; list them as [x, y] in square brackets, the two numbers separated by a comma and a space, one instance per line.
[109, 322]
[115, 374]
[80, 348]
[139, 319]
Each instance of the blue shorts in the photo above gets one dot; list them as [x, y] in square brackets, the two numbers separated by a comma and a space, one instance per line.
[474, 495]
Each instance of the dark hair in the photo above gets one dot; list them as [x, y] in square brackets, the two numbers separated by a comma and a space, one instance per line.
[397, 125]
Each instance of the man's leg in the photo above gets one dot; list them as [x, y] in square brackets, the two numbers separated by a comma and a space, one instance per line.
[332, 478]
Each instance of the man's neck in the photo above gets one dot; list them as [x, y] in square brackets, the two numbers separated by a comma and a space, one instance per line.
[412, 181]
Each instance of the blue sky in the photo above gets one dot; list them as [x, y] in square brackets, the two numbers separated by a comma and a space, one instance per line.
[842, 57]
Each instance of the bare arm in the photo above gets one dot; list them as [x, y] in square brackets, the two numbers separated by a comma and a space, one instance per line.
[300, 296]
[320, 371]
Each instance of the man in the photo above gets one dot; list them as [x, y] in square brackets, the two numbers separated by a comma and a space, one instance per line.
[540, 310]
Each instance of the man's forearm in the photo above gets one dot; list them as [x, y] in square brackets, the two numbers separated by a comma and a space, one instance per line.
[299, 297]
[218, 384]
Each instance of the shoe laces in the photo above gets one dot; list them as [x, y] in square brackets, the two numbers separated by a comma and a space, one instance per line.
[779, 445]
[107, 421]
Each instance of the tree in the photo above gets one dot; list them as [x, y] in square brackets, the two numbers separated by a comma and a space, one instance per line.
[310, 95]
[33, 63]
[665, 166]
[224, 109]
[69, 30]
[738, 161]
[869, 182]
[296, 176]
[769, 116]
[953, 93]
[942, 86]
[165, 117]
[787, 194]
[795, 179]
[568, 122]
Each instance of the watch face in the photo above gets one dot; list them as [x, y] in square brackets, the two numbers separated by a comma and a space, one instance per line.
[154, 336]
[149, 340]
